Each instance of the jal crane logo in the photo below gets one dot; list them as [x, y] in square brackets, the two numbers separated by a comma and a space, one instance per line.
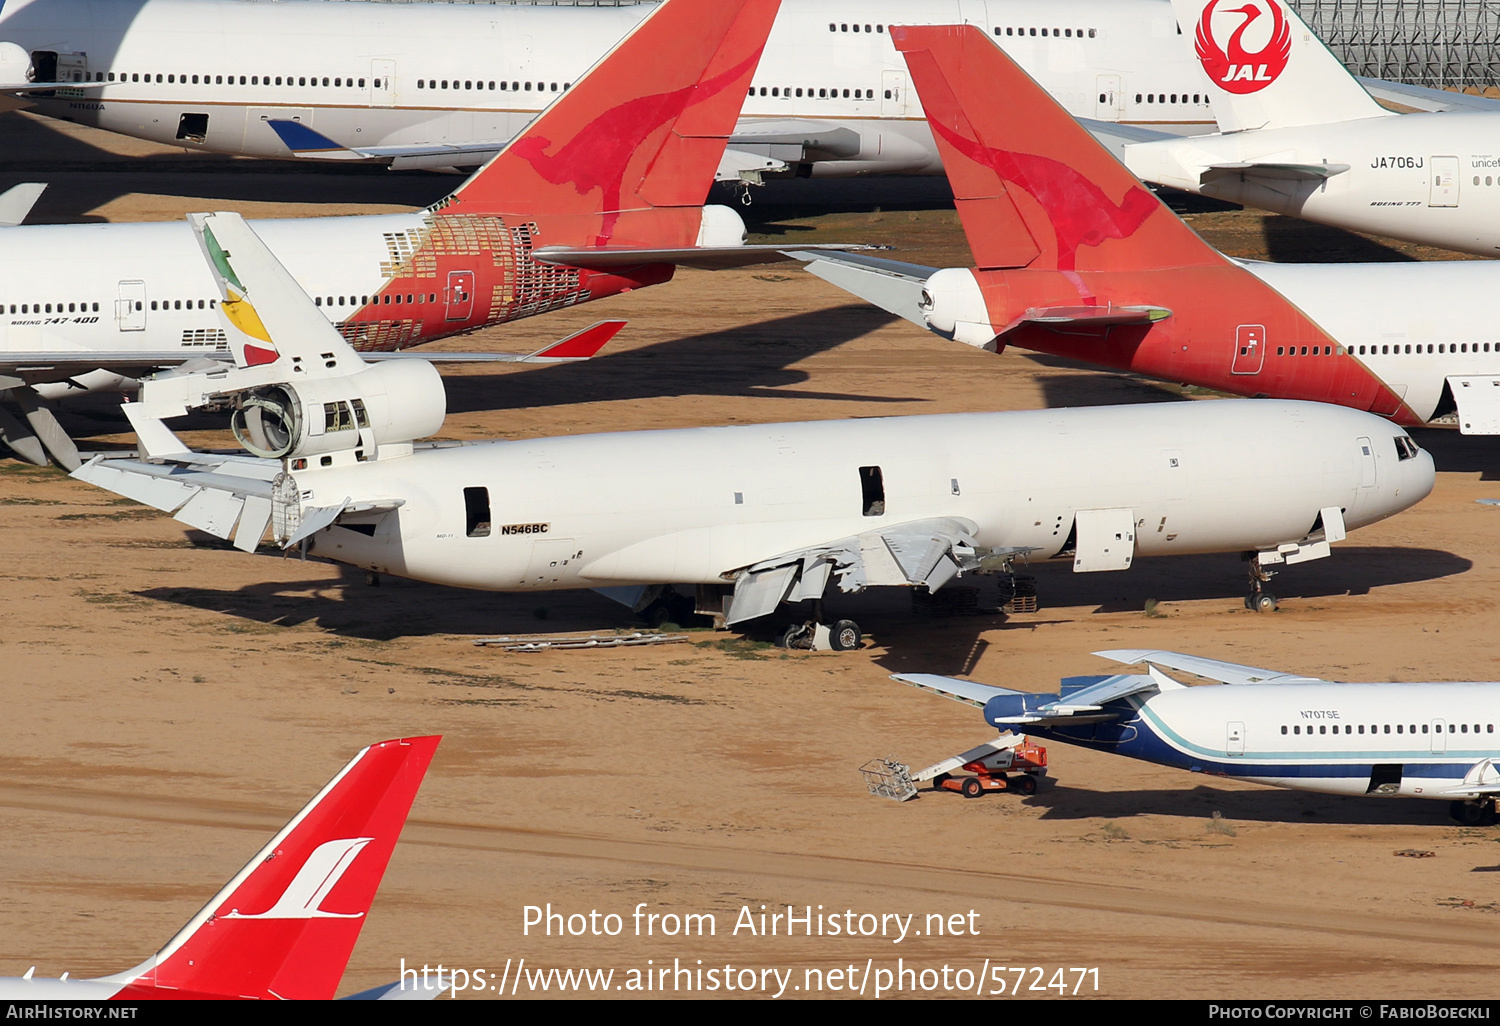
[1233, 67]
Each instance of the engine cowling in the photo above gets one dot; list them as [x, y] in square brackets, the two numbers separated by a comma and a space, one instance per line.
[954, 306]
[386, 403]
[15, 66]
[721, 226]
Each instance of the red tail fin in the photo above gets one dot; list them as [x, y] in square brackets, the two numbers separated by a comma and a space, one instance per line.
[1076, 208]
[286, 924]
[645, 128]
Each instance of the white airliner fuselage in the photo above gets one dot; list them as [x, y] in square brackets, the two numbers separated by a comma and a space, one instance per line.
[401, 82]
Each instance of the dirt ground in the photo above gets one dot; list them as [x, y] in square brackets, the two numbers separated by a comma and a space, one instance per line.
[171, 702]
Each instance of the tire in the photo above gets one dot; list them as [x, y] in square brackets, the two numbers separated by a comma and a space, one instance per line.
[791, 636]
[971, 788]
[1472, 814]
[1026, 784]
[845, 636]
[1265, 602]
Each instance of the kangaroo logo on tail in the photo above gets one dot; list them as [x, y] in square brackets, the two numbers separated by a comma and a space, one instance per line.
[1234, 68]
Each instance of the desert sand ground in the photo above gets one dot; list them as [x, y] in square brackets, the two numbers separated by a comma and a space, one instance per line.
[170, 703]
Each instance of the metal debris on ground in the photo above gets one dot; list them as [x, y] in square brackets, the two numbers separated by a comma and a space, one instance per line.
[1414, 853]
[544, 642]
[889, 779]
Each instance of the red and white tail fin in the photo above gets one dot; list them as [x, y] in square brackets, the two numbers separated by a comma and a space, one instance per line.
[1267, 68]
[1074, 209]
[285, 926]
[644, 130]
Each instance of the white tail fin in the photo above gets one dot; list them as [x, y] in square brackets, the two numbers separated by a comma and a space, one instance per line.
[1267, 68]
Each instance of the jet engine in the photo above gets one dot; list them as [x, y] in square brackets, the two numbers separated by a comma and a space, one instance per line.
[954, 306]
[15, 66]
[396, 401]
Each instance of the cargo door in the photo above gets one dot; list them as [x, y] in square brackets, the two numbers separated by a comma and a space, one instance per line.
[1249, 349]
[1478, 399]
[130, 307]
[1104, 540]
[551, 562]
[1234, 738]
[1444, 191]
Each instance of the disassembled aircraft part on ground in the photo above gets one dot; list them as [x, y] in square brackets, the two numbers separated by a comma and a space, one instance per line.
[544, 643]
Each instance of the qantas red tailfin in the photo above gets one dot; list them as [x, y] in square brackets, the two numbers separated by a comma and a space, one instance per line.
[645, 129]
[1032, 187]
[286, 924]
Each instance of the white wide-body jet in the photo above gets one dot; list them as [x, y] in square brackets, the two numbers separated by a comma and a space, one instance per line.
[440, 85]
[1435, 741]
[1301, 136]
[748, 516]
[284, 927]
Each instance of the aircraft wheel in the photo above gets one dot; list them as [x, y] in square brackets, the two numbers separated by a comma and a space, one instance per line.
[793, 637]
[1026, 784]
[1473, 814]
[972, 788]
[1265, 602]
[845, 636]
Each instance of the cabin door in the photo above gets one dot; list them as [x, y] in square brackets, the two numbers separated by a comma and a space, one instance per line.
[130, 307]
[1249, 349]
[1444, 192]
[1439, 737]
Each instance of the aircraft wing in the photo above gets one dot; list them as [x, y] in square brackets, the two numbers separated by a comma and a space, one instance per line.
[17, 201]
[708, 258]
[1425, 98]
[1114, 136]
[1213, 669]
[1004, 707]
[929, 553]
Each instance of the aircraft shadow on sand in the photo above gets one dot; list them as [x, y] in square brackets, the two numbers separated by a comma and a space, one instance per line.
[82, 177]
[1067, 797]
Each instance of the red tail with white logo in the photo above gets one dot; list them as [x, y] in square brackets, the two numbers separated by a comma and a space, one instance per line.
[285, 926]
[625, 157]
[1077, 258]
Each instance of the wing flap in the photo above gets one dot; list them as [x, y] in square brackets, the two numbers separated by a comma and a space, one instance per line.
[1273, 170]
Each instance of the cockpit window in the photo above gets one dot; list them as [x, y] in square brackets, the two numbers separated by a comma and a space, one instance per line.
[1406, 449]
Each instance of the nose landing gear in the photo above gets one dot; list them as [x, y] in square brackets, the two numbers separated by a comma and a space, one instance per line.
[1260, 600]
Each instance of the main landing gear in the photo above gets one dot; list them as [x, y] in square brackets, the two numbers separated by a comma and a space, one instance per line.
[816, 635]
[1260, 600]
[1480, 812]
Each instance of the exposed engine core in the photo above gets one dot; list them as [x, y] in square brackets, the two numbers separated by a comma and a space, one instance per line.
[398, 401]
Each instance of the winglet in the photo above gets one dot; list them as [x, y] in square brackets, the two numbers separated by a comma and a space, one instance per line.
[581, 345]
[285, 926]
[17, 201]
[1074, 209]
[645, 128]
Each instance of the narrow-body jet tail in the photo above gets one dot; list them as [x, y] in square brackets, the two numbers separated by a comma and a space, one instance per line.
[285, 926]
[1266, 67]
[1032, 187]
[644, 130]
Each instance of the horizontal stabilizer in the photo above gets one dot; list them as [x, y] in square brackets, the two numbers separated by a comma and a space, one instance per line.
[965, 691]
[1212, 669]
[17, 201]
[706, 258]
[1426, 98]
[1272, 171]
[893, 286]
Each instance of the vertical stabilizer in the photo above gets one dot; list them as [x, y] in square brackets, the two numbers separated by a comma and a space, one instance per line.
[285, 926]
[1074, 209]
[645, 129]
[1267, 68]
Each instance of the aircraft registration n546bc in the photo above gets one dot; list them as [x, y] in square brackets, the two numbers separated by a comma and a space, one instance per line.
[748, 516]
[1302, 137]
[445, 85]
[1434, 741]
[1077, 258]
[603, 194]
[285, 926]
